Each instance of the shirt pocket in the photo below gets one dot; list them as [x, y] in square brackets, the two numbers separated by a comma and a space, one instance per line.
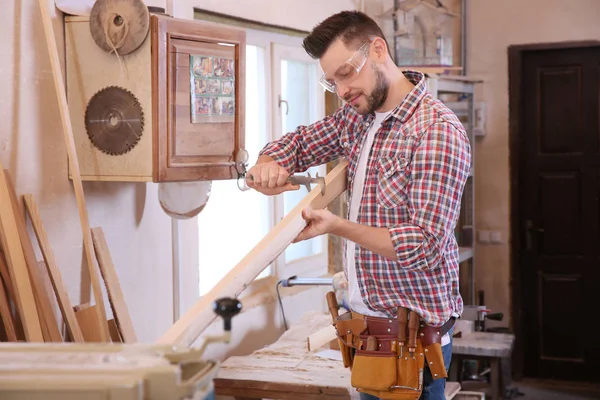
[392, 182]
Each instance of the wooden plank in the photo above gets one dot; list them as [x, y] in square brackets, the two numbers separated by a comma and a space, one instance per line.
[111, 281]
[321, 337]
[74, 168]
[10, 292]
[47, 318]
[6, 315]
[60, 290]
[17, 267]
[187, 329]
[115, 335]
[86, 317]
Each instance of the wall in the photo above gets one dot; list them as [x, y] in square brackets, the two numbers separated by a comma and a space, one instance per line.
[492, 27]
[138, 232]
[32, 148]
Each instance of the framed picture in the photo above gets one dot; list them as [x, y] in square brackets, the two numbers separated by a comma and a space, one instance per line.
[212, 88]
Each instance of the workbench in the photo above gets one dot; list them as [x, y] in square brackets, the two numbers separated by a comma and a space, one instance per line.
[287, 370]
[488, 346]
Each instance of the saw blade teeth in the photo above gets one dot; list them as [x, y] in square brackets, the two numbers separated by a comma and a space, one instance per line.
[105, 116]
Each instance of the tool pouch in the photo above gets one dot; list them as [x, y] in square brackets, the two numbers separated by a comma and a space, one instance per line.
[387, 357]
[387, 371]
[348, 331]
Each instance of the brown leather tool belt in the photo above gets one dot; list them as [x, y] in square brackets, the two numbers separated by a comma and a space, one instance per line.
[389, 326]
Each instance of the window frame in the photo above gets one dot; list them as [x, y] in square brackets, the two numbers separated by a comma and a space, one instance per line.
[189, 229]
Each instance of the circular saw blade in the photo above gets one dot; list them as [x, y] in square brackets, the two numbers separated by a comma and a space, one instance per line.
[119, 25]
[114, 120]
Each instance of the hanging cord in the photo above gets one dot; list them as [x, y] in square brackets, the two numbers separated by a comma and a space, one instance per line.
[114, 46]
[281, 304]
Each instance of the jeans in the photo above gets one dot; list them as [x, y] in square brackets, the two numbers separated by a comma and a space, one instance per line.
[432, 390]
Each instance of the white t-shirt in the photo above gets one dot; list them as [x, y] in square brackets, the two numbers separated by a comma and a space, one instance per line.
[355, 300]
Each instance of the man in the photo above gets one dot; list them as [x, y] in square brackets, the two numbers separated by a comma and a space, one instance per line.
[409, 158]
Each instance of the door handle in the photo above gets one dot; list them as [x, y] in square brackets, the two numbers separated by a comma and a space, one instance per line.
[529, 228]
[287, 106]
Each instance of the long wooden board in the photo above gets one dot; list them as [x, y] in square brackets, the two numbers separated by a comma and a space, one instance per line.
[60, 290]
[113, 288]
[13, 250]
[74, 167]
[187, 329]
[48, 319]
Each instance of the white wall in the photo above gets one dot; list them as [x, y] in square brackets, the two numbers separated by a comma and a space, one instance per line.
[137, 230]
[32, 149]
[492, 27]
[289, 13]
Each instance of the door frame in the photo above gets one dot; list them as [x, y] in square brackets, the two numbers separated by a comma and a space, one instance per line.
[515, 64]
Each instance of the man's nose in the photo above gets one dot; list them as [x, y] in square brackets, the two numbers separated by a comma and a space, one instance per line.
[342, 90]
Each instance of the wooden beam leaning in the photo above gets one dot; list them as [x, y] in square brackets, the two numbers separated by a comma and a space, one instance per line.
[59, 87]
[41, 296]
[15, 259]
[113, 288]
[60, 289]
[187, 329]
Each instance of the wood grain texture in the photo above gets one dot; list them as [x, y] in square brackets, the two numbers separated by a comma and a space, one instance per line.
[87, 320]
[7, 317]
[59, 87]
[42, 297]
[60, 290]
[194, 321]
[17, 267]
[173, 40]
[113, 288]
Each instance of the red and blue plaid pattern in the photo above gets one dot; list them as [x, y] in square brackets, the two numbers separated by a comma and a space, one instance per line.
[416, 173]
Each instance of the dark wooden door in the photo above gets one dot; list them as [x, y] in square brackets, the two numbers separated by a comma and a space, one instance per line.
[559, 190]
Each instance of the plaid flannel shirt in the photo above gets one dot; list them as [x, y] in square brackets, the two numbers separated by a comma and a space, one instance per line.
[416, 173]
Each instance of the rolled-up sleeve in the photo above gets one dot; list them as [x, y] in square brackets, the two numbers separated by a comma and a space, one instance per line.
[309, 145]
[439, 171]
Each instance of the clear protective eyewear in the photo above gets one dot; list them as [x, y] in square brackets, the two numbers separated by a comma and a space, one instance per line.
[349, 71]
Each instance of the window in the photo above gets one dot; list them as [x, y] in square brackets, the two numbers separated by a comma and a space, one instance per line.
[280, 74]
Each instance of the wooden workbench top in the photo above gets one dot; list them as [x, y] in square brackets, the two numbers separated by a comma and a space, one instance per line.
[286, 369]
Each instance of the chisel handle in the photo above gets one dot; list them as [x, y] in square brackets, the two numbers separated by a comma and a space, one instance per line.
[413, 327]
[332, 303]
[402, 322]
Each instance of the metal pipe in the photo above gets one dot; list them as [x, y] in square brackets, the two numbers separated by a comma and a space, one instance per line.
[295, 281]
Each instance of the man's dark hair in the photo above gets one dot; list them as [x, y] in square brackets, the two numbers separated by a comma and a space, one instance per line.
[353, 27]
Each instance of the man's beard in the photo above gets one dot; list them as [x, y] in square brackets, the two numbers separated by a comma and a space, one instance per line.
[379, 94]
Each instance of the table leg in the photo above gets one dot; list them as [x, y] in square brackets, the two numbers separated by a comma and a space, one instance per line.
[455, 368]
[495, 379]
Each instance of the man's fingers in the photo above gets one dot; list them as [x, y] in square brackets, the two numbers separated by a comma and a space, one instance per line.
[281, 177]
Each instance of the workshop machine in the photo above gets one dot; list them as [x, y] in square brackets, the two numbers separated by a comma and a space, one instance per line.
[112, 371]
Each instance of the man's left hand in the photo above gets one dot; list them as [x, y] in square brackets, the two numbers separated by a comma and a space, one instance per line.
[319, 222]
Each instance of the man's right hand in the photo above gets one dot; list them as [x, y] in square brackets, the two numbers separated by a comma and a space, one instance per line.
[268, 177]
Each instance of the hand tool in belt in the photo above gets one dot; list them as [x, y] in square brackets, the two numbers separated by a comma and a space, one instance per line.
[413, 327]
[402, 315]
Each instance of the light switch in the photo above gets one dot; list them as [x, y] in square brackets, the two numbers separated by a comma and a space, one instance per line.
[483, 236]
[496, 237]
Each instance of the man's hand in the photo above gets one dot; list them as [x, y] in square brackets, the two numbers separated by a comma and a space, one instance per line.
[269, 178]
[319, 222]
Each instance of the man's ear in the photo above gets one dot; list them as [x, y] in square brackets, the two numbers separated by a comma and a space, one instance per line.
[380, 49]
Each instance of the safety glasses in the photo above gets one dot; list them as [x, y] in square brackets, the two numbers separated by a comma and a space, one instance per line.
[349, 71]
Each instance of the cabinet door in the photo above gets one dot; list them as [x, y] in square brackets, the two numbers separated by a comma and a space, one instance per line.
[199, 100]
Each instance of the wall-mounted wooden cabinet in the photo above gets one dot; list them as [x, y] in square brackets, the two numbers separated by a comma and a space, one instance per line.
[171, 110]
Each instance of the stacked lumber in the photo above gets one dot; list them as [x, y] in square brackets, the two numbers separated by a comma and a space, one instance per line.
[32, 290]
